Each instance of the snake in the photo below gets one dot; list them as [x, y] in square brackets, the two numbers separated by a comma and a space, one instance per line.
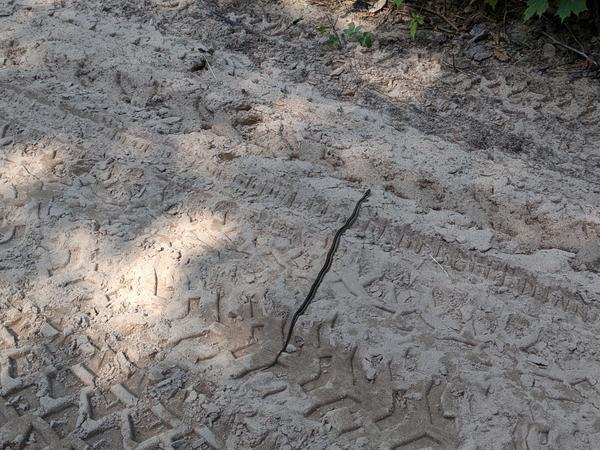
[326, 267]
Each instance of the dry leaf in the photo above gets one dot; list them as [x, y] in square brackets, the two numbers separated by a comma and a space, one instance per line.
[378, 6]
[501, 54]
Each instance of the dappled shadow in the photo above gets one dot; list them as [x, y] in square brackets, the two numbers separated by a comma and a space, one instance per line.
[162, 210]
[473, 133]
[111, 248]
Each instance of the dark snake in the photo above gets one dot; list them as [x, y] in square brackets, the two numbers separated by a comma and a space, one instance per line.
[322, 272]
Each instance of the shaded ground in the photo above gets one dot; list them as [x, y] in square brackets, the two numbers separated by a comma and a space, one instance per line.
[172, 172]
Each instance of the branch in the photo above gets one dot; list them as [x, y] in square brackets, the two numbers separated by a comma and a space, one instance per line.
[568, 47]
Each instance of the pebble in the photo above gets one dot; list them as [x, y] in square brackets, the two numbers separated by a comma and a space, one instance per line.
[84, 344]
[482, 54]
[556, 199]
[6, 141]
[527, 380]
[7, 337]
[212, 408]
[197, 65]
[537, 360]
[414, 396]
[48, 330]
[164, 382]
[291, 348]
[362, 442]
[192, 396]
[171, 120]
[337, 72]
[549, 51]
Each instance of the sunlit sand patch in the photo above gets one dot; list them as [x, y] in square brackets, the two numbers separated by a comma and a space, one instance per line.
[124, 289]
[148, 276]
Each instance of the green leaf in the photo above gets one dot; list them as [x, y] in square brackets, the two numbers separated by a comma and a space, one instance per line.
[321, 29]
[568, 7]
[352, 29]
[492, 3]
[296, 20]
[534, 7]
[366, 40]
[398, 3]
[413, 28]
[333, 41]
[415, 21]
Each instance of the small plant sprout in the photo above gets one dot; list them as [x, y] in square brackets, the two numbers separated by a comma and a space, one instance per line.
[333, 41]
[365, 38]
[416, 20]
[352, 30]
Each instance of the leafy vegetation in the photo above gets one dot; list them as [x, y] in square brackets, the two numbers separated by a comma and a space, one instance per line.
[563, 9]
[353, 31]
[333, 40]
[415, 21]
[364, 37]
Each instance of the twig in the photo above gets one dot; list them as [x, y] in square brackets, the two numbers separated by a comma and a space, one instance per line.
[568, 47]
[441, 267]
[333, 24]
[457, 68]
[440, 15]
[442, 29]
[210, 68]
[581, 46]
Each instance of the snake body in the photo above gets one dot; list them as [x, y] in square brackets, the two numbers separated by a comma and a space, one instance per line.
[328, 261]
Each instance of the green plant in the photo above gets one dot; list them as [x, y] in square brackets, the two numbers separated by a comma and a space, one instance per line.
[562, 8]
[364, 37]
[366, 40]
[333, 40]
[415, 21]
[353, 31]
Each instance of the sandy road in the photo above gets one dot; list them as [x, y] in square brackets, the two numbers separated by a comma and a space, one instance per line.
[161, 220]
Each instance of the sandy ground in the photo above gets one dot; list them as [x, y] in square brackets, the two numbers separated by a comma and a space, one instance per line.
[172, 174]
